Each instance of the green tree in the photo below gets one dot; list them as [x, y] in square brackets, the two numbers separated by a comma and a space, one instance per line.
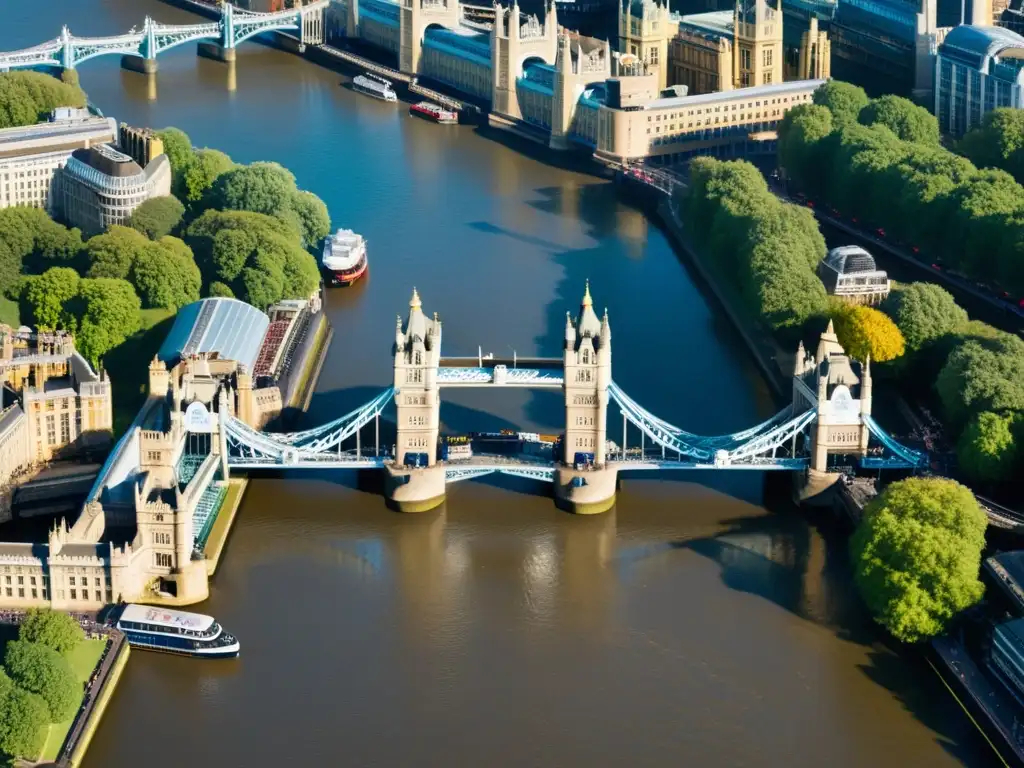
[112, 253]
[982, 377]
[41, 670]
[206, 166]
[110, 314]
[987, 450]
[231, 249]
[313, 217]
[923, 312]
[48, 298]
[259, 188]
[28, 97]
[157, 217]
[178, 148]
[916, 555]
[36, 241]
[998, 142]
[54, 629]
[903, 117]
[24, 718]
[843, 100]
[301, 274]
[218, 288]
[165, 275]
[800, 134]
[10, 269]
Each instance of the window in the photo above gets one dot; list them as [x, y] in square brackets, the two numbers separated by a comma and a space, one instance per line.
[768, 58]
[74, 594]
[163, 560]
[745, 58]
[21, 580]
[418, 358]
[767, 78]
[586, 355]
[71, 581]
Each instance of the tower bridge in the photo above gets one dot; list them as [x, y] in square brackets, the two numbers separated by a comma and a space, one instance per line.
[830, 413]
[140, 47]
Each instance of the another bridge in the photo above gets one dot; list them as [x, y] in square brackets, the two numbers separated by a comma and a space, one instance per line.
[830, 414]
[139, 48]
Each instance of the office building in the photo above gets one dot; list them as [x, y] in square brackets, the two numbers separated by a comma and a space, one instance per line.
[32, 155]
[100, 186]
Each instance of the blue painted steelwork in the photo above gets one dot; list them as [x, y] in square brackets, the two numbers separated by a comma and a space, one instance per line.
[234, 27]
[380, 11]
[462, 43]
[904, 457]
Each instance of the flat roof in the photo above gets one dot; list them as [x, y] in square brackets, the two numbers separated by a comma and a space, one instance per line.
[165, 617]
[58, 129]
[775, 89]
[718, 23]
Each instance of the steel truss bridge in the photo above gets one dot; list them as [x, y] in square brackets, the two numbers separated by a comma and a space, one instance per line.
[779, 443]
[234, 27]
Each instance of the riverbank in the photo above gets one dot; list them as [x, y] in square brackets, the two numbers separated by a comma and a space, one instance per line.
[218, 537]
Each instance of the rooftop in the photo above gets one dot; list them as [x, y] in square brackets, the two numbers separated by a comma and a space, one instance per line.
[975, 45]
[165, 617]
[229, 327]
[718, 23]
[773, 90]
[38, 137]
[850, 259]
[107, 160]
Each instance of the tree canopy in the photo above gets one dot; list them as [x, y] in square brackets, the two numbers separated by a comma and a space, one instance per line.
[163, 273]
[110, 314]
[998, 142]
[28, 97]
[41, 670]
[921, 194]
[844, 100]
[903, 117]
[256, 256]
[206, 166]
[923, 312]
[865, 331]
[916, 555]
[31, 241]
[54, 629]
[982, 376]
[48, 299]
[23, 720]
[768, 248]
[157, 217]
[988, 449]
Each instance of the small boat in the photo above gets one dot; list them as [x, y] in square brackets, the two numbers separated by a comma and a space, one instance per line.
[185, 634]
[374, 86]
[344, 257]
[434, 112]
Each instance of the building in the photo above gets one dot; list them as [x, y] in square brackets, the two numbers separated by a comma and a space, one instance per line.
[815, 57]
[732, 123]
[645, 27]
[31, 156]
[141, 144]
[159, 491]
[63, 407]
[100, 186]
[849, 273]
[1006, 656]
[977, 69]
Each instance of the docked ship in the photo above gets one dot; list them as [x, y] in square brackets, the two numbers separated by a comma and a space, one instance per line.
[185, 634]
[374, 86]
[435, 113]
[344, 257]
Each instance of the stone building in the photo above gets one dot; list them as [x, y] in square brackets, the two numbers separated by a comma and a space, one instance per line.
[31, 156]
[141, 144]
[645, 27]
[100, 186]
[140, 530]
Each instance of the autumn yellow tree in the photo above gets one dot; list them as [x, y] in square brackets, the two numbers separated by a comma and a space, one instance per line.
[865, 331]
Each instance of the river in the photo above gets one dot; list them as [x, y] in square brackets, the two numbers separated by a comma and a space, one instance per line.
[689, 626]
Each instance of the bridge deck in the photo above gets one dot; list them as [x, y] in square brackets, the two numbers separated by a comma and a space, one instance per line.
[366, 64]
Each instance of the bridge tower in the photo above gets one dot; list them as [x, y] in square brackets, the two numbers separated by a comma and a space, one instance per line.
[417, 398]
[644, 32]
[415, 482]
[516, 38]
[413, 19]
[839, 389]
[587, 372]
[575, 69]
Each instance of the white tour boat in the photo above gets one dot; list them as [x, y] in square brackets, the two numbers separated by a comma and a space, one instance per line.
[344, 257]
[186, 634]
[374, 86]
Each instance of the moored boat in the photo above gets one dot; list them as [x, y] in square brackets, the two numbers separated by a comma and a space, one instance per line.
[374, 86]
[344, 257]
[179, 632]
[434, 112]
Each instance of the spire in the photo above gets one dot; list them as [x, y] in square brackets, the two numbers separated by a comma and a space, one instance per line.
[798, 364]
[415, 303]
[587, 300]
[830, 331]
[570, 332]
